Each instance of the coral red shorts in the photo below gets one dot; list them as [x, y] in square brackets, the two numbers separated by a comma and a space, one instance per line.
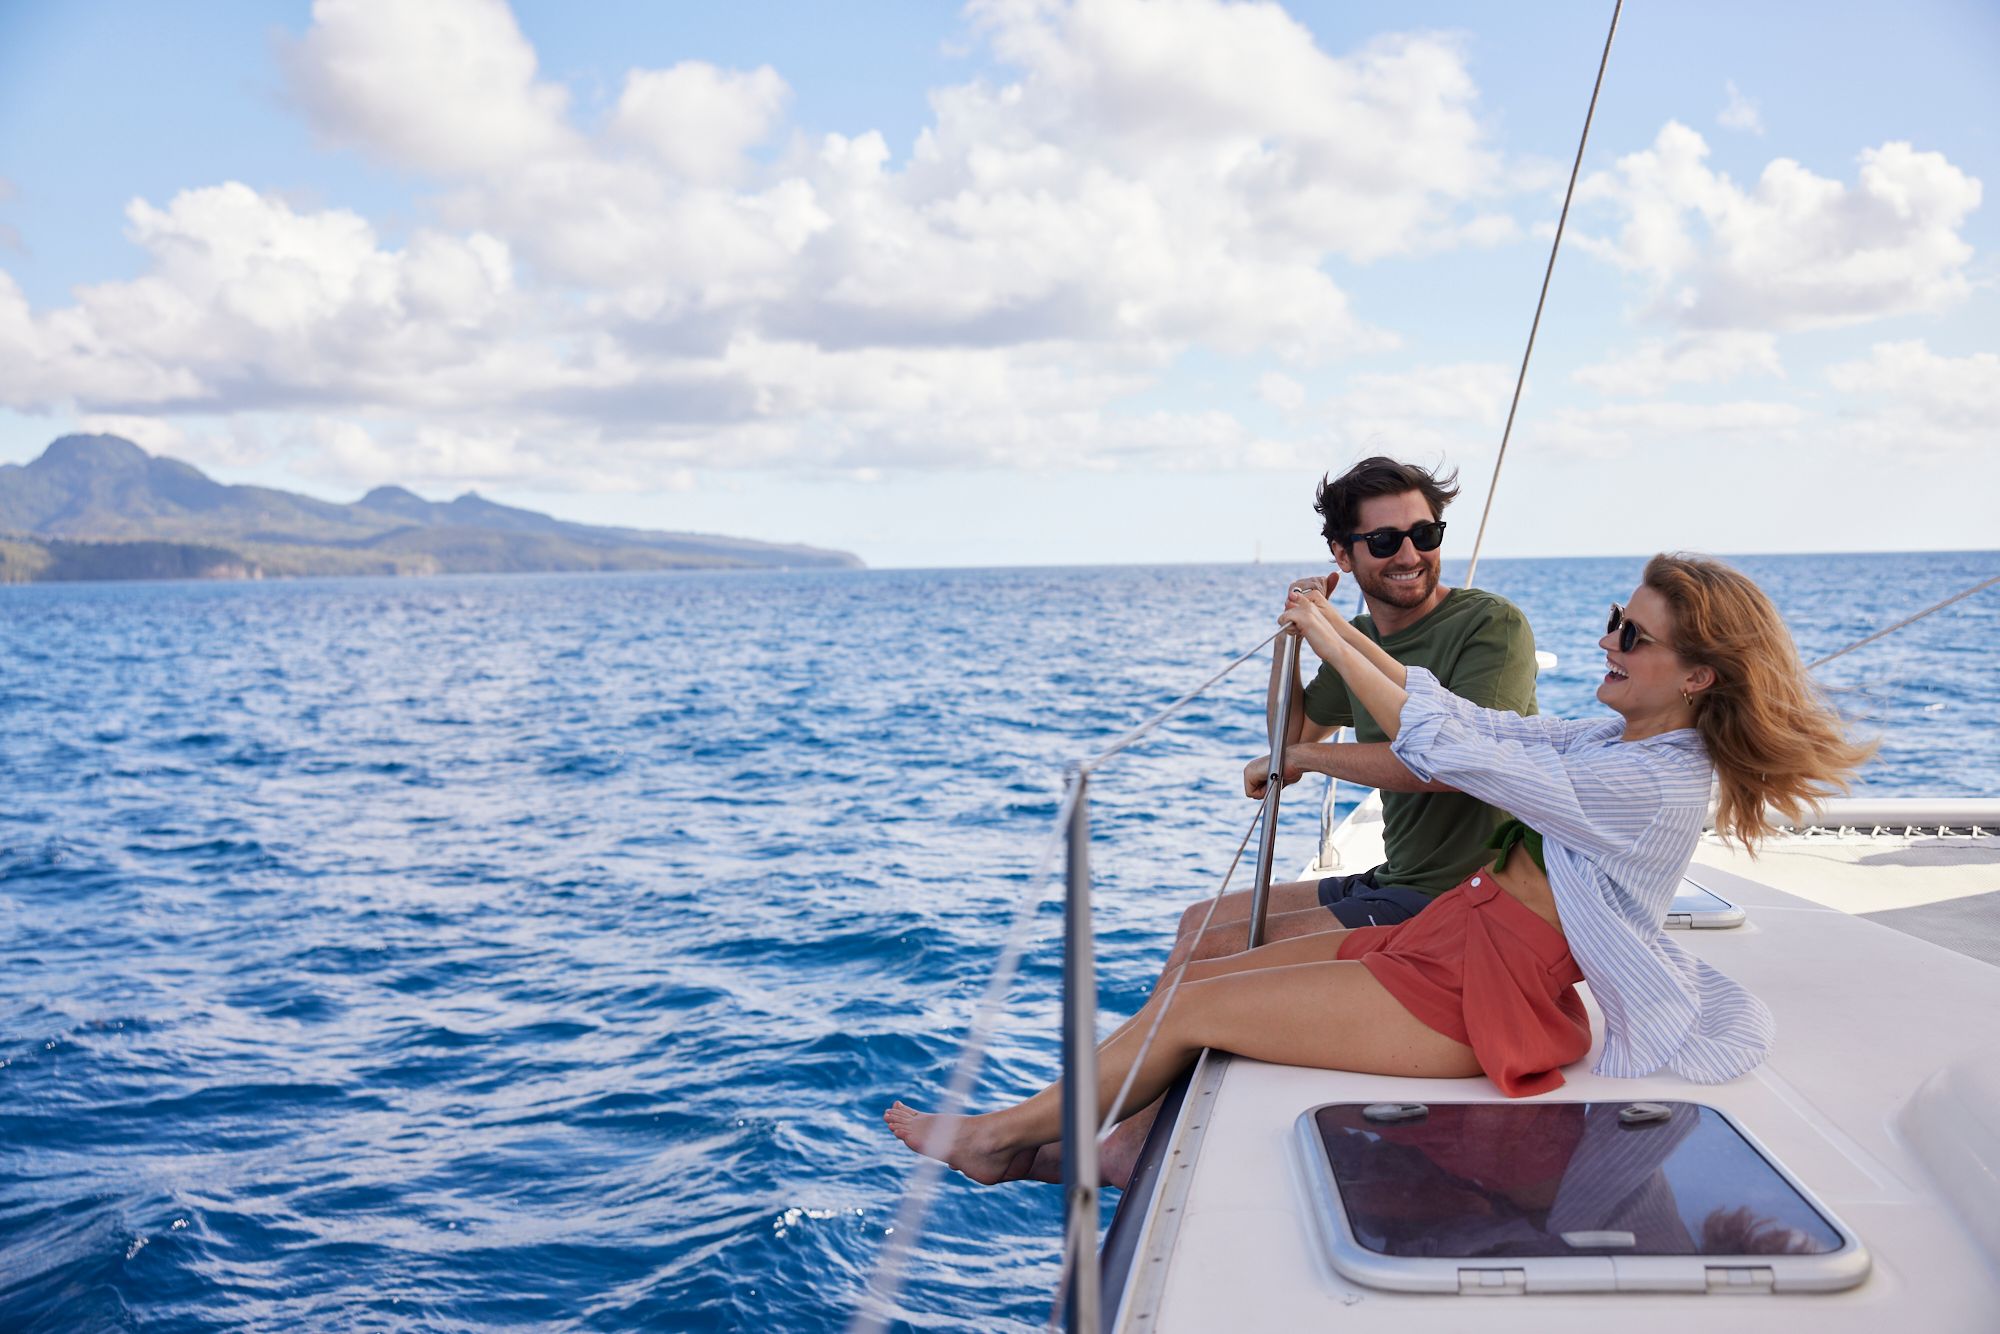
[1479, 967]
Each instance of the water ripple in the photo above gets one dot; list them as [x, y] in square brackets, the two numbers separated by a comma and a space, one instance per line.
[540, 951]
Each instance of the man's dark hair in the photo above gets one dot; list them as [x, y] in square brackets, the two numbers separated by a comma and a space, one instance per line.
[1338, 499]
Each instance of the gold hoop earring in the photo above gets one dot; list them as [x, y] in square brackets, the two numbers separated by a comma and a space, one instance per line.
[1687, 699]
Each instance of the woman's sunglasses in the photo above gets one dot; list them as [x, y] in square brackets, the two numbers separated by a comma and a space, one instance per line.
[1630, 636]
[1386, 542]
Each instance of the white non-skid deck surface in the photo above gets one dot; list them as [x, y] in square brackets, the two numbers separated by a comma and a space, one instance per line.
[1943, 889]
[1865, 1014]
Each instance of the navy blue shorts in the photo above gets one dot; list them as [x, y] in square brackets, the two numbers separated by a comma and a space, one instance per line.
[1356, 900]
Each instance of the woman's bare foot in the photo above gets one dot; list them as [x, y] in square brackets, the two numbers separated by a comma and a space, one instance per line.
[964, 1143]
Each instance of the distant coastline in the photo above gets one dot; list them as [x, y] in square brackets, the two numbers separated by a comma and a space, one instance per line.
[99, 507]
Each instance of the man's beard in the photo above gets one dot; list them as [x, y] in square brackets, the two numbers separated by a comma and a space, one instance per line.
[1399, 593]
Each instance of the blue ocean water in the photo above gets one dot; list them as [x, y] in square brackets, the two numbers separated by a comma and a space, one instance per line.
[541, 951]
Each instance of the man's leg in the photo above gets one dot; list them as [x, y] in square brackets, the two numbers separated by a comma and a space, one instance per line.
[1220, 938]
[1218, 949]
[1333, 908]
[1213, 928]
[1234, 906]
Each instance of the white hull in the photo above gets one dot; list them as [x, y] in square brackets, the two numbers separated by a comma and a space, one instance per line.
[1882, 1096]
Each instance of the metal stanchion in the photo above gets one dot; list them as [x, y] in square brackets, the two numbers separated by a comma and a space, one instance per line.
[1267, 833]
[1080, 1110]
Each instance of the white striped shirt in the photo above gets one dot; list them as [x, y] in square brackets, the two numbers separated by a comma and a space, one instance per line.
[1619, 821]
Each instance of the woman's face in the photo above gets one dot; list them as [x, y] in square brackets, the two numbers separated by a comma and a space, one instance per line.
[1649, 680]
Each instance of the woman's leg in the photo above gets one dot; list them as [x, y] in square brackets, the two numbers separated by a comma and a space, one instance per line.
[1331, 1015]
[1119, 1152]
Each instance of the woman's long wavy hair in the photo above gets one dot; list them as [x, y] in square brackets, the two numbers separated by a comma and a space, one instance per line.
[1776, 744]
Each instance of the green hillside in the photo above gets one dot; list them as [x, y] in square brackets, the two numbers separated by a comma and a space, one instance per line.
[100, 507]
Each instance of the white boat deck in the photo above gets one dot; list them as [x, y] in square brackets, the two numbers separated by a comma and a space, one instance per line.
[1882, 1097]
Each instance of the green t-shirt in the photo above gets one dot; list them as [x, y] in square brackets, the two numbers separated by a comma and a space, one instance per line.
[1479, 646]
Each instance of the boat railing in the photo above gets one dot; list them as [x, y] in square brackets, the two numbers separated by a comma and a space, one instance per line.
[1078, 1301]
[1083, 1123]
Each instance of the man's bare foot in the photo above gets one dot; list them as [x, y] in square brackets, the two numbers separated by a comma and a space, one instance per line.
[960, 1142]
[1117, 1155]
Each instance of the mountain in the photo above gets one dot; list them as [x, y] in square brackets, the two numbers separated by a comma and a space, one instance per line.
[100, 507]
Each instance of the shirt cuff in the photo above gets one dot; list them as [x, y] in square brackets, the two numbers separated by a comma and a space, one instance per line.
[1423, 714]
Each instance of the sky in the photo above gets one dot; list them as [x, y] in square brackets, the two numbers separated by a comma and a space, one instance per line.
[1026, 282]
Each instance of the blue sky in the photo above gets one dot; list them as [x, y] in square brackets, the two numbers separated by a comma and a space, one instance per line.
[1026, 282]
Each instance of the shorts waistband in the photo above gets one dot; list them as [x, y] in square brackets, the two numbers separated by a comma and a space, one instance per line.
[1487, 895]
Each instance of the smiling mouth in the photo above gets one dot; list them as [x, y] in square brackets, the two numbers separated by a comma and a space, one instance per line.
[1611, 670]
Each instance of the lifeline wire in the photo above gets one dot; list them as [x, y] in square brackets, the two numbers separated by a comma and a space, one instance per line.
[1984, 583]
[1070, 1257]
[1090, 765]
[887, 1279]
[1548, 273]
[1118, 1103]
[1072, 1242]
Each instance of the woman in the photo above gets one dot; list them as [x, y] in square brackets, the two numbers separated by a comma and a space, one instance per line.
[1706, 684]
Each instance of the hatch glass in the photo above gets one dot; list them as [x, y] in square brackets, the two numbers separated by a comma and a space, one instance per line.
[1486, 1180]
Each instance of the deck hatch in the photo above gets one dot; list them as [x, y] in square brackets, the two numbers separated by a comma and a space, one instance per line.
[1699, 908]
[1565, 1196]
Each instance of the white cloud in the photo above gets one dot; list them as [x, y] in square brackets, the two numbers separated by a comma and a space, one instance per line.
[1173, 171]
[1915, 403]
[1620, 428]
[1901, 399]
[444, 86]
[1451, 412]
[1487, 230]
[1456, 410]
[248, 304]
[587, 303]
[1697, 358]
[1281, 391]
[1357, 154]
[1740, 113]
[697, 119]
[151, 433]
[1799, 251]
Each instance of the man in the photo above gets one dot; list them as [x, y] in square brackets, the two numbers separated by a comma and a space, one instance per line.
[1383, 523]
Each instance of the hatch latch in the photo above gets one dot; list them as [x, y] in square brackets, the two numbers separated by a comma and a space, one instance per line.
[1728, 1278]
[1493, 1282]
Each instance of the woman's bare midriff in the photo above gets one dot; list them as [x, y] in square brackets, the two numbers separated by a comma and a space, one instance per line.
[1530, 884]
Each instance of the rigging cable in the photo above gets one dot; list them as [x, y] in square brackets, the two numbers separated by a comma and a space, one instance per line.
[1548, 273]
[1090, 765]
[1070, 1257]
[1889, 630]
[1113, 1117]
[886, 1279]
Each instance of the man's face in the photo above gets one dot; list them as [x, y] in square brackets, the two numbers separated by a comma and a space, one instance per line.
[1407, 577]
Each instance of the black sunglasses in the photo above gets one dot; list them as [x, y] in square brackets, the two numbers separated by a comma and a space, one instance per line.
[1630, 636]
[1386, 542]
